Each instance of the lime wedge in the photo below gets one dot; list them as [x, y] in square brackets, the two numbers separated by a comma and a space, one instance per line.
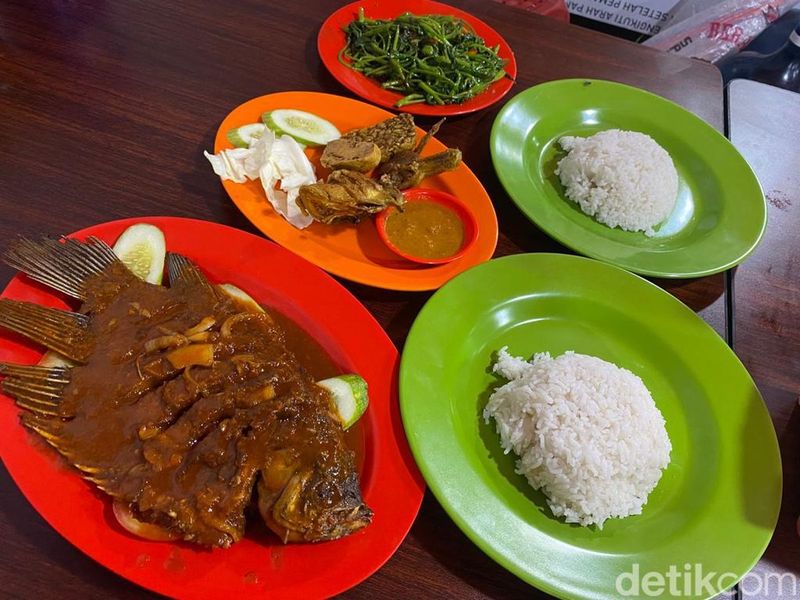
[142, 249]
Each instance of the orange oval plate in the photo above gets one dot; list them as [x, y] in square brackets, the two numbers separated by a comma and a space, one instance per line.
[356, 252]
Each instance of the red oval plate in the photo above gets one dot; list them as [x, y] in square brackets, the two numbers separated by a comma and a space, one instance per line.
[331, 40]
[260, 565]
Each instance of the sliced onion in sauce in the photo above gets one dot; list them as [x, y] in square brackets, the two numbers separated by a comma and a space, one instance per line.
[148, 531]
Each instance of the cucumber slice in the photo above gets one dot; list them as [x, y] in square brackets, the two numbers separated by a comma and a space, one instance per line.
[241, 137]
[142, 249]
[304, 127]
[242, 298]
[349, 393]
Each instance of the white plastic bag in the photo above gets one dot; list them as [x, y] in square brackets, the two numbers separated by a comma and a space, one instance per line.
[720, 29]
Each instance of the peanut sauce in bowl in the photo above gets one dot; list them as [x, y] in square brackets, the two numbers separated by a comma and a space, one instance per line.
[432, 228]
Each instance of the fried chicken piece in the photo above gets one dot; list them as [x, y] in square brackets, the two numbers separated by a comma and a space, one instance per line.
[351, 154]
[391, 136]
[347, 196]
[406, 169]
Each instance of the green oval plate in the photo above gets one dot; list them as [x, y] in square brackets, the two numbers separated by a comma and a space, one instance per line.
[717, 503]
[720, 214]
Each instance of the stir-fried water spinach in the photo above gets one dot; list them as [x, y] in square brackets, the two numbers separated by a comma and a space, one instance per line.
[436, 59]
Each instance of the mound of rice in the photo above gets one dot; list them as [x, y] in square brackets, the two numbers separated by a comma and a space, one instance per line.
[586, 432]
[621, 178]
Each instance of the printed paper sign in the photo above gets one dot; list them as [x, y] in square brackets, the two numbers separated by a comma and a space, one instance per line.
[645, 16]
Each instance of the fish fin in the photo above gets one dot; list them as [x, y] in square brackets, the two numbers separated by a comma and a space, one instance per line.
[62, 331]
[36, 389]
[183, 271]
[64, 264]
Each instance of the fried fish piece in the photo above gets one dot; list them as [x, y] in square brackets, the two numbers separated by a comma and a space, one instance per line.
[347, 196]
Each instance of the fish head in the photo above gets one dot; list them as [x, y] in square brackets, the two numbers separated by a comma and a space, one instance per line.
[316, 504]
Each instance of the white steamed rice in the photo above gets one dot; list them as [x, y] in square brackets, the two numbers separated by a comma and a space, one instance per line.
[587, 433]
[621, 178]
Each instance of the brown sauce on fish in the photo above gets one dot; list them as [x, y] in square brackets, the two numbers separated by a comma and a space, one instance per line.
[320, 365]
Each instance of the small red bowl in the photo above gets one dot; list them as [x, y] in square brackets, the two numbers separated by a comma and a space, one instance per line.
[436, 197]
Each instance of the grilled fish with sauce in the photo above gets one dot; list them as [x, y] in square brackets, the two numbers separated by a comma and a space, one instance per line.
[182, 403]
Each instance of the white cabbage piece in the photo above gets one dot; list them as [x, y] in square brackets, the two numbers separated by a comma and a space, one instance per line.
[259, 153]
[288, 164]
[229, 164]
[272, 160]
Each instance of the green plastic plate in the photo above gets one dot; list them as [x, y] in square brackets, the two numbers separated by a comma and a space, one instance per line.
[720, 214]
[717, 503]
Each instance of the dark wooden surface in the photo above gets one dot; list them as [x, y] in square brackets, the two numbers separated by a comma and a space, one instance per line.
[106, 108]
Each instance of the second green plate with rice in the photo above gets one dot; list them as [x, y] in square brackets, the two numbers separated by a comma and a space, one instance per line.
[714, 509]
[720, 213]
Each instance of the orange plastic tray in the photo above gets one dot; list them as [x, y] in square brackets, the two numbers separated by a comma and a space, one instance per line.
[351, 251]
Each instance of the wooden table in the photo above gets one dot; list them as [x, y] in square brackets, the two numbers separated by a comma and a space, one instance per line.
[768, 299]
[106, 108]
